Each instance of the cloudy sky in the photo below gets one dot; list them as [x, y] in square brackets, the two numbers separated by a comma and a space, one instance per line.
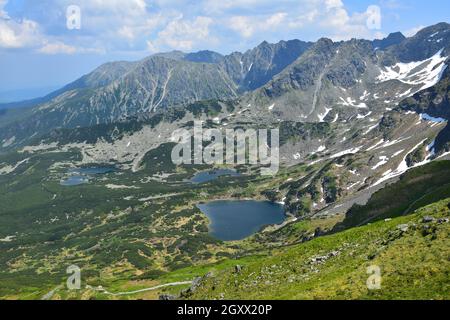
[39, 49]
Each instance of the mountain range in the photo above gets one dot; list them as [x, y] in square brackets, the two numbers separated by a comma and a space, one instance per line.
[296, 74]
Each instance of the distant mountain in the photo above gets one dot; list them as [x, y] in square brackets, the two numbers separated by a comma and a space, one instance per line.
[204, 57]
[118, 90]
[101, 76]
[252, 69]
[424, 44]
[392, 39]
[258, 66]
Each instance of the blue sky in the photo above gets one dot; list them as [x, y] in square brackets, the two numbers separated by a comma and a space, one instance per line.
[38, 50]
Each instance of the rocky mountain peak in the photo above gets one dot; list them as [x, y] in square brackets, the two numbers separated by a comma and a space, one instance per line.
[426, 43]
[392, 39]
[204, 56]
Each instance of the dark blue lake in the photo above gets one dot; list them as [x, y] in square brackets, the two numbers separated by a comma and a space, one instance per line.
[237, 220]
[207, 176]
[80, 176]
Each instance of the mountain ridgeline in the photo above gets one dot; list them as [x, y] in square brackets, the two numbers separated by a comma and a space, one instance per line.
[117, 90]
[311, 82]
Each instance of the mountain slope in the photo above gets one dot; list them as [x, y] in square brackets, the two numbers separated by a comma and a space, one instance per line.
[258, 66]
[405, 250]
[109, 95]
[416, 188]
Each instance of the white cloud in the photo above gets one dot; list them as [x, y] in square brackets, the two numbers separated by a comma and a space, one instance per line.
[159, 25]
[134, 30]
[20, 34]
[331, 18]
[57, 48]
[242, 25]
[2, 5]
[327, 17]
[184, 34]
[304, 19]
[17, 34]
[126, 32]
[392, 4]
[247, 26]
[219, 6]
[119, 7]
[276, 19]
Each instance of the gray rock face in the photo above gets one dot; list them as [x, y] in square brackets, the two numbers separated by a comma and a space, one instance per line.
[260, 65]
[158, 82]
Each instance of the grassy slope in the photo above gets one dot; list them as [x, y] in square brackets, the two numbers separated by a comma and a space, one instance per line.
[414, 265]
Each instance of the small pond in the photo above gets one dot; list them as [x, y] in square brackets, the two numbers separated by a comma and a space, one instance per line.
[80, 176]
[207, 176]
[237, 220]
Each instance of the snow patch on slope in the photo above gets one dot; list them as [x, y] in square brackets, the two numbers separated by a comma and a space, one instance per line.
[383, 161]
[345, 152]
[352, 103]
[403, 166]
[426, 73]
[323, 115]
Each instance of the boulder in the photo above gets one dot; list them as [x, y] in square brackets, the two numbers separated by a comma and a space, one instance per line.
[443, 220]
[403, 227]
[167, 297]
[427, 219]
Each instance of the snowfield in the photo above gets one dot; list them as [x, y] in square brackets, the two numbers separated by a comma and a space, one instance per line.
[426, 73]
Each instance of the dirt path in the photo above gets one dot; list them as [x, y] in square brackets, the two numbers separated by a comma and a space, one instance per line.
[173, 284]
